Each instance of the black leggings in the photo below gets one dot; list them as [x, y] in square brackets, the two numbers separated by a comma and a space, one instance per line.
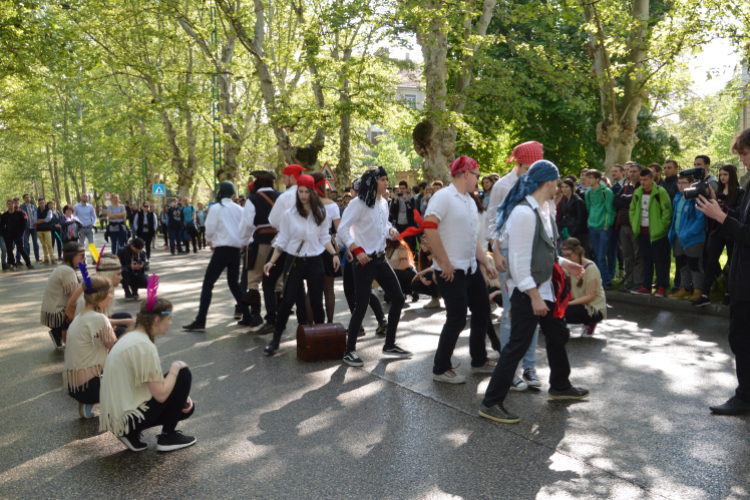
[421, 288]
[351, 293]
[89, 394]
[169, 413]
[296, 271]
[712, 267]
[579, 315]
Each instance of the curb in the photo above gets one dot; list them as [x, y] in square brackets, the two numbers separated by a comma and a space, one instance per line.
[671, 304]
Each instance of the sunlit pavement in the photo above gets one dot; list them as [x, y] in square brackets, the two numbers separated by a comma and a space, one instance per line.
[282, 428]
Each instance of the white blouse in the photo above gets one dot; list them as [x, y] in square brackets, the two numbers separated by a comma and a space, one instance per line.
[365, 226]
[294, 230]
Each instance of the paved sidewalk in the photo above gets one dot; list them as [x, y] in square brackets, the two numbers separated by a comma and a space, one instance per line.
[281, 428]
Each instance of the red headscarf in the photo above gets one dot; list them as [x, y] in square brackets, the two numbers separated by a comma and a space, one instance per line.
[527, 153]
[306, 181]
[294, 170]
[463, 164]
[318, 185]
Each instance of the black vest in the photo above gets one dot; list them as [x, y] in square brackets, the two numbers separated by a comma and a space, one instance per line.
[147, 221]
[262, 211]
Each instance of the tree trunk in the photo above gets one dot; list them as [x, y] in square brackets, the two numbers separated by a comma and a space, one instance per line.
[184, 177]
[344, 168]
[81, 159]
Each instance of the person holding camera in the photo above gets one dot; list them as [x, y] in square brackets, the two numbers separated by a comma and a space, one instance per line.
[402, 213]
[687, 236]
[134, 262]
[729, 197]
[735, 226]
[652, 207]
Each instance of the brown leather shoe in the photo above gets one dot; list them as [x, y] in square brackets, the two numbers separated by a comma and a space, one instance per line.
[682, 294]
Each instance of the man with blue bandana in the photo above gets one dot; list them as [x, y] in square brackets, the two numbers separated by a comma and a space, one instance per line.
[525, 221]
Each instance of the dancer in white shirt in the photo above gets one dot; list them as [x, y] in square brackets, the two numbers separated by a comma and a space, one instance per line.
[451, 227]
[364, 229]
[228, 235]
[531, 231]
[303, 234]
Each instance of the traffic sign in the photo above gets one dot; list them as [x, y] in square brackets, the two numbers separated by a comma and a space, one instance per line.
[328, 172]
[107, 196]
[159, 190]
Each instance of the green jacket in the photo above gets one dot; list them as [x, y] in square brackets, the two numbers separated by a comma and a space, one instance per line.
[599, 205]
[659, 212]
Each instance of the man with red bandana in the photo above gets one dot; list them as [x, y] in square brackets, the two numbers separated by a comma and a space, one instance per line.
[451, 228]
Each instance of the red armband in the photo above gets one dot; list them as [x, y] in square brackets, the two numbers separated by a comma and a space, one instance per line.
[358, 251]
[430, 225]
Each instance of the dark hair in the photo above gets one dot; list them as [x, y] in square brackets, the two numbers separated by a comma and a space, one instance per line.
[574, 245]
[316, 207]
[673, 162]
[137, 243]
[733, 183]
[422, 185]
[647, 172]
[594, 173]
[741, 143]
[70, 250]
[655, 167]
[66, 207]
[571, 184]
[438, 182]
[415, 189]
[689, 178]
[146, 318]
[637, 165]
[705, 159]
[618, 166]
[393, 245]
[478, 201]
[572, 178]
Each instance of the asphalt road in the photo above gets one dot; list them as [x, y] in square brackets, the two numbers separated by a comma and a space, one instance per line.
[282, 428]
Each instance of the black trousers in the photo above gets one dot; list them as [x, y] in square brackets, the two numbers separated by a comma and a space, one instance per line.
[169, 413]
[712, 268]
[351, 295]
[18, 242]
[579, 315]
[523, 322]
[739, 342]
[133, 280]
[223, 258]
[308, 269]
[422, 289]
[467, 292]
[376, 269]
[404, 279]
[148, 239]
[202, 237]
[269, 292]
[88, 395]
[120, 330]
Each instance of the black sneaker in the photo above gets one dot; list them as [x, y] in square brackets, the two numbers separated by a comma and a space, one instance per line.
[194, 327]
[244, 322]
[265, 329]
[531, 378]
[414, 297]
[133, 441]
[703, 301]
[271, 349]
[173, 441]
[128, 296]
[498, 413]
[608, 287]
[136, 297]
[257, 321]
[396, 351]
[57, 341]
[571, 393]
[382, 328]
[734, 406]
[351, 359]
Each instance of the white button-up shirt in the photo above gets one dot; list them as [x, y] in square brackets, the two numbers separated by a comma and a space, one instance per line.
[283, 203]
[458, 228]
[521, 228]
[365, 226]
[294, 229]
[224, 227]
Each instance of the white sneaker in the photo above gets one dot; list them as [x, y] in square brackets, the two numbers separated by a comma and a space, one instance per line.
[434, 303]
[518, 384]
[449, 377]
[488, 367]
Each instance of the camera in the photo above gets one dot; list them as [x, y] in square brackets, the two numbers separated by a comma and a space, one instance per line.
[699, 187]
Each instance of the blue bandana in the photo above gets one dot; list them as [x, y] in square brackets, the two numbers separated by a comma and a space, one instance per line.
[540, 171]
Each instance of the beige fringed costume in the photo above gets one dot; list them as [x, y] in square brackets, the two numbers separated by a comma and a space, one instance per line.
[131, 364]
[61, 284]
[86, 349]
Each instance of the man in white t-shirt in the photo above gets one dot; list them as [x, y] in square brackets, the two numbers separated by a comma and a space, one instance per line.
[524, 154]
[451, 227]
